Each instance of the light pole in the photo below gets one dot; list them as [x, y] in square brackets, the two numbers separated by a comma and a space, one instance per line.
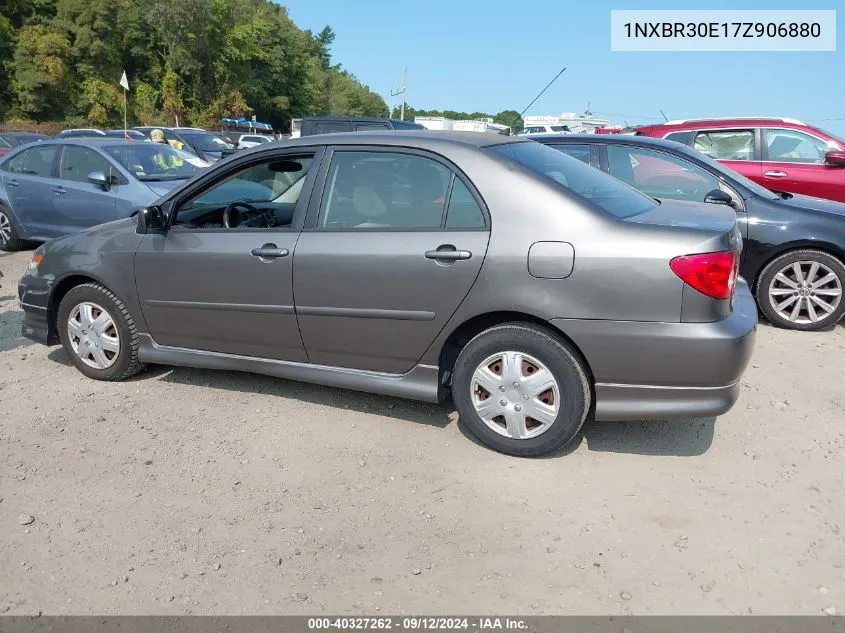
[401, 91]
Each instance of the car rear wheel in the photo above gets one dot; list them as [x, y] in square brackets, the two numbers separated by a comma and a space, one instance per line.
[9, 234]
[802, 290]
[520, 390]
[98, 333]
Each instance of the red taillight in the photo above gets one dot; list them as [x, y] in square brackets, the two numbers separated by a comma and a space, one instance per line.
[712, 274]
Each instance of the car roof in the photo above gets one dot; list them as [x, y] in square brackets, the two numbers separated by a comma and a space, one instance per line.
[617, 139]
[98, 141]
[400, 138]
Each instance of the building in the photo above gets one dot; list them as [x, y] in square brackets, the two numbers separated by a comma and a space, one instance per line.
[577, 124]
[473, 125]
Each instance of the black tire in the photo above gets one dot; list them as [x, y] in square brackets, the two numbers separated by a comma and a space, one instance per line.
[14, 241]
[767, 276]
[556, 355]
[126, 364]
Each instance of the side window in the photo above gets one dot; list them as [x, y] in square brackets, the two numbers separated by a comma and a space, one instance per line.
[726, 144]
[39, 161]
[16, 164]
[261, 196]
[329, 128]
[581, 152]
[792, 146]
[463, 211]
[678, 137]
[383, 190]
[77, 162]
[371, 126]
[660, 175]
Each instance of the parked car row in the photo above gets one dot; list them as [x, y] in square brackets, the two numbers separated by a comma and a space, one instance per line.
[533, 288]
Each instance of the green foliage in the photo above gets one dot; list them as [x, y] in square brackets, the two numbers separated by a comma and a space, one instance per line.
[196, 60]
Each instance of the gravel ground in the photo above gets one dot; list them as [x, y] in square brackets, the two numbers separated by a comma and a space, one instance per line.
[189, 491]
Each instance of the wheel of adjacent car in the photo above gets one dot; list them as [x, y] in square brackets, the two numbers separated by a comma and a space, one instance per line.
[98, 333]
[521, 390]
[802, 290]
[9, 233]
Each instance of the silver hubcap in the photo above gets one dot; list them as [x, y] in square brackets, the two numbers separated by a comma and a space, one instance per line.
[516, 395]
[93, 335]
[5, 229]
[805, 292]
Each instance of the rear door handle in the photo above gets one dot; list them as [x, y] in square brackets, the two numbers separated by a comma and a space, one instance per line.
[59, 190]
[269, 251]
[447, 253]
[14, 183]
[776, 174]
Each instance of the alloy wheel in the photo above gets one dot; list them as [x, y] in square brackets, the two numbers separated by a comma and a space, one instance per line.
[515, 395]
[805, 292]
[5, 229]
[93, 335]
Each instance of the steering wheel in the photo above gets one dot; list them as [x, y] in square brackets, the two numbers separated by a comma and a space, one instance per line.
[231, 222]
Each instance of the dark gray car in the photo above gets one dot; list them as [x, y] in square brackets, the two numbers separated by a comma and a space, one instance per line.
[534, 288]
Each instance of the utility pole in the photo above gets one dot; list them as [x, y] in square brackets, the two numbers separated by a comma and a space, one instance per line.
[401, 91]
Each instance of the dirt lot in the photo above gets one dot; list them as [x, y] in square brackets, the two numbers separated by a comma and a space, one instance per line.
[188, 491]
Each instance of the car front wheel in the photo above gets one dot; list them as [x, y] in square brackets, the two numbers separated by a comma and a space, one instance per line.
[520, 390]
[98, 333]
[802, 290]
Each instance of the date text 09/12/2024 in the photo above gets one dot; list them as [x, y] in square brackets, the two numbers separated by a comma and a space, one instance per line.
[417, 623]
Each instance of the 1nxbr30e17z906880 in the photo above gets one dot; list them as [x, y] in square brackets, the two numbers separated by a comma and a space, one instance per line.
[534, 289]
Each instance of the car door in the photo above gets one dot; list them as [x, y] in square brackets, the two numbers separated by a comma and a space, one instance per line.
[77, 202]
[28, 183]
[794, 161]
[393, 244]
[667, 176]
[736, 149]
[229, 290]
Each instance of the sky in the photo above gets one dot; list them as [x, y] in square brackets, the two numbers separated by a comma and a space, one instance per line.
[470, 56]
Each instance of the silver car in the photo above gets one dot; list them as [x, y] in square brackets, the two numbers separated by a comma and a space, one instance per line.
[536, 290]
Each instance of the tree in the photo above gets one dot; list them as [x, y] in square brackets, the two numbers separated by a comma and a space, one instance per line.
[42, 79]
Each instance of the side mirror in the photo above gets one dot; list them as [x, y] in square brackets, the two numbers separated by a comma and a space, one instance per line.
[717, 196]
[835, 157]
[100, 179]
[150, 219]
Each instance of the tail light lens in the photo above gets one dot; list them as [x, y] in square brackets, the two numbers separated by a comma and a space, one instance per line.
[712, 274]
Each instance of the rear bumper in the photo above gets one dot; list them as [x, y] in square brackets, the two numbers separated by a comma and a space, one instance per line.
[667, 370]
[34, 294]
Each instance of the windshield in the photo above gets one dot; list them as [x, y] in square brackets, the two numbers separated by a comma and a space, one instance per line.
[602, 190]
[836, 138]
[204, 141]
[152, 162]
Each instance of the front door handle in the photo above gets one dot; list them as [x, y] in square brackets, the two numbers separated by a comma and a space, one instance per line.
[269, 251]
[776, 174]
[59, 190]
[14, 183]
[447, 253]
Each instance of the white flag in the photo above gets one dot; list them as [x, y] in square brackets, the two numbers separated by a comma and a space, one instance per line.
[124, 81]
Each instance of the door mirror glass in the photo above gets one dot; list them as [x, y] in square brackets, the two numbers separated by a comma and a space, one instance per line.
[835, 157]
[150, 219]
[717, 196]
[99, 178]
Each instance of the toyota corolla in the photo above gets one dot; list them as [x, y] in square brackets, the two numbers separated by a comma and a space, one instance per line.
[535, 290]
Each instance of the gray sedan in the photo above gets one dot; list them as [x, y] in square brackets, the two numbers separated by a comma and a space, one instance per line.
[534, 289]
[64, 186]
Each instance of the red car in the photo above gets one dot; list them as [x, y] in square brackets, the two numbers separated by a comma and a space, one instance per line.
[780, 154]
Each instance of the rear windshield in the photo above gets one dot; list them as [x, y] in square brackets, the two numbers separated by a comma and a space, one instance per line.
[596, 187]
[204, 141]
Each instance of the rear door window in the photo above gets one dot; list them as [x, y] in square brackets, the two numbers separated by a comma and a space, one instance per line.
[371, 126]
[463, 211]
[37, 161]
[330, 127]
[659, 174]
[725, 144]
